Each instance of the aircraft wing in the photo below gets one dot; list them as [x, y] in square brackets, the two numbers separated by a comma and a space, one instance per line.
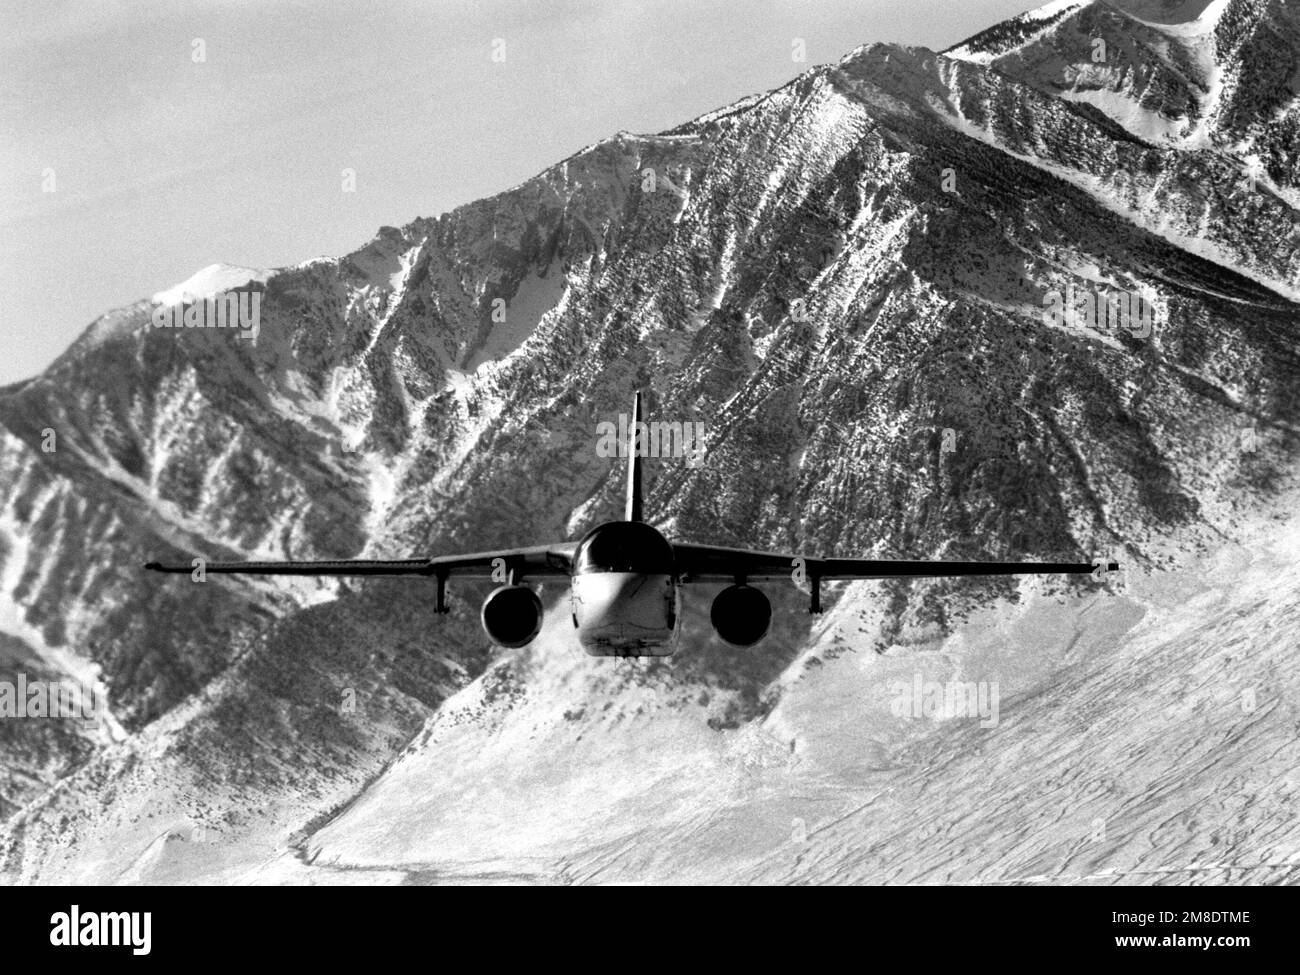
[708, 563]
[540, 561]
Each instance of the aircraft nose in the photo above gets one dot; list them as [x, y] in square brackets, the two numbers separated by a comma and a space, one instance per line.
[607, 597]
[620, 612]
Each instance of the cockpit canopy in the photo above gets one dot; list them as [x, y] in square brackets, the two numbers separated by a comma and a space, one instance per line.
[624, 546]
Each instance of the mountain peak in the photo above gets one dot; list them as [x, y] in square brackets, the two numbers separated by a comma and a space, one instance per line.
[209, 281]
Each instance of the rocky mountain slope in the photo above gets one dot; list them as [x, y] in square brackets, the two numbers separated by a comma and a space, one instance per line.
[845, 281]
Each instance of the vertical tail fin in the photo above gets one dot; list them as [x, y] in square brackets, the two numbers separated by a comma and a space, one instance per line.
[633, 510]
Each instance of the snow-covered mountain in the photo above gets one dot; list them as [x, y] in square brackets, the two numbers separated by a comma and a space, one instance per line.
[1210, 74]
[846, 280]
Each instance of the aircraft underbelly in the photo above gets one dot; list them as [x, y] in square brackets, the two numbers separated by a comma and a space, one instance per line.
[625, 614]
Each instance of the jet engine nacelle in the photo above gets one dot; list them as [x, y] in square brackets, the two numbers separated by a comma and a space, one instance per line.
[741, 615]
[512, 616]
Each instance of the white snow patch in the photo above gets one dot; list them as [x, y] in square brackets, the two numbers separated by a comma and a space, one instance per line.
[1188, 19]
[383, 492]
[536, 297]
[212, 280]
[1053, 8]
[1142, 122]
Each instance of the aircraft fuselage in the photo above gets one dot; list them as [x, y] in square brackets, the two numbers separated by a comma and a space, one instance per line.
[623, 592]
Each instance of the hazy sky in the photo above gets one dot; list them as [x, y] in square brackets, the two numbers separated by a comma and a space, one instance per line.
[162, 164]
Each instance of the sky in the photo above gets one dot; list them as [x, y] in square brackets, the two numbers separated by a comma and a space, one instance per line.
[142, 140]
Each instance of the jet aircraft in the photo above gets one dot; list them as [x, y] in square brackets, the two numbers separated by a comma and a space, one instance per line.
[625, 579]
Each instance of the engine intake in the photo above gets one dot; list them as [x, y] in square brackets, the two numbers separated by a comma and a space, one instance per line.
[512, 616]
[741, 615]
